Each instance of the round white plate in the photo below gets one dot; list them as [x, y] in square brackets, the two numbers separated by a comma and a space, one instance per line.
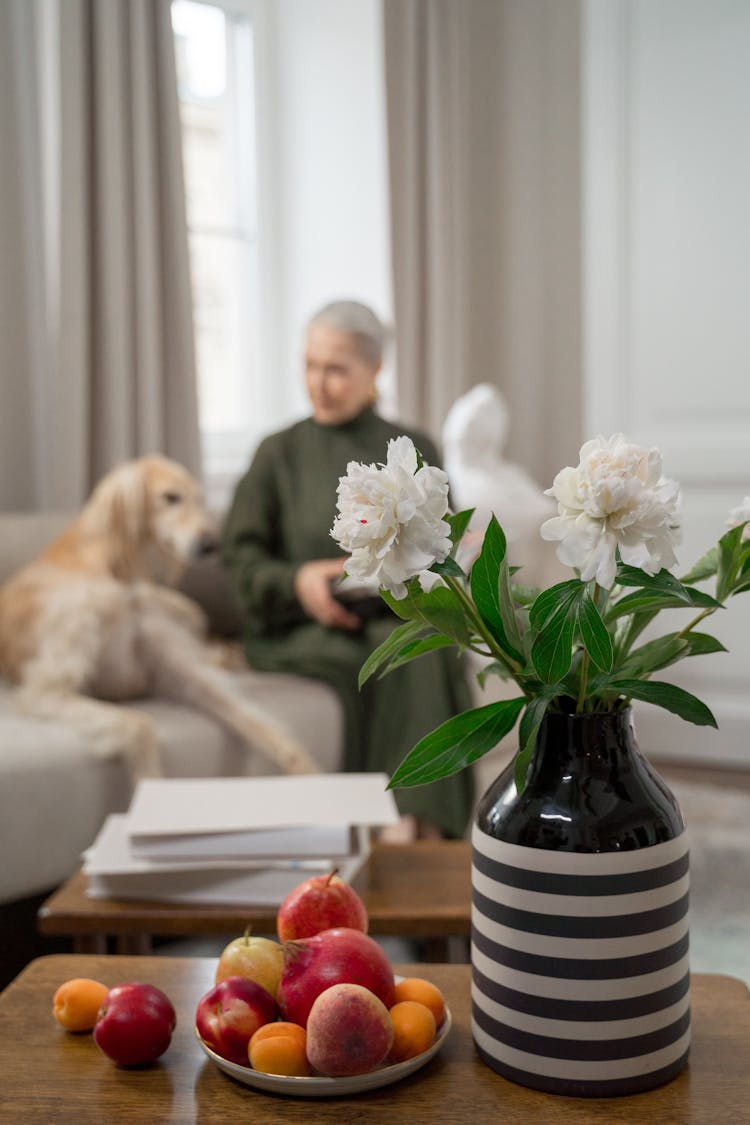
[319, 1087]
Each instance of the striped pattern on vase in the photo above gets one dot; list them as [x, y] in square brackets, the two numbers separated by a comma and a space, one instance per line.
[580, 974]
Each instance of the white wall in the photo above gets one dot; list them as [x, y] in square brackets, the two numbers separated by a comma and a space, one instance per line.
[667, 324]
[325, 224]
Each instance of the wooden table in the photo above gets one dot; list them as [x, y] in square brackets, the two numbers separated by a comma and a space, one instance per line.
[420, 890]
[49, 1075]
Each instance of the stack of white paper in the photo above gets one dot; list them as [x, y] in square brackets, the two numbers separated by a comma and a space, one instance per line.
[230, 840]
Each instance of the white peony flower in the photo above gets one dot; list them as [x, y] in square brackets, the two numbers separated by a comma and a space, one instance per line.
[740, 515]
[615, 498]
[391, 518]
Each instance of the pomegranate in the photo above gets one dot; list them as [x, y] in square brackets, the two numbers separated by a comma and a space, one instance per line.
[337, 956]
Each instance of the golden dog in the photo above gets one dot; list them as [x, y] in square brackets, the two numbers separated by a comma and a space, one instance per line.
[94, 621]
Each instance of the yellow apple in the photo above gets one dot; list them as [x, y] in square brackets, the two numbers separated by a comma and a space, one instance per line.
[255, 958]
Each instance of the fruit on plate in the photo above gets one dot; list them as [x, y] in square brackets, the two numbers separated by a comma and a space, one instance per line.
[337, 956]
[413, 1029]
[134, 1024]
[230, 1013]
[76, 1003]
[349, 1031]
[323, 902]
[424, 992]
[280, 1048]
[257, 958]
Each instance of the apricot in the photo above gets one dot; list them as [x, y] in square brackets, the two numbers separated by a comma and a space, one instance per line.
[425, 992]
[280, 1048]
[413, 1030]
[76, 1003]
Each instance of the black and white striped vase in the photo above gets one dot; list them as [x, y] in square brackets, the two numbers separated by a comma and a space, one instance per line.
[580, 973]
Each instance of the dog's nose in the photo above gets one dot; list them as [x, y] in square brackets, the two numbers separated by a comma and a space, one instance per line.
[208, 544]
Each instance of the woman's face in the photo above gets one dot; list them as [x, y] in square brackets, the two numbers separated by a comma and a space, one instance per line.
[340, 383]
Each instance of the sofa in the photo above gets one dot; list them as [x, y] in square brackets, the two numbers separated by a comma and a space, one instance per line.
[54, 796]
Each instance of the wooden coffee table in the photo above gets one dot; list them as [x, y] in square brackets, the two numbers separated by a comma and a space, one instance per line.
[49, 1075]
[420, 891]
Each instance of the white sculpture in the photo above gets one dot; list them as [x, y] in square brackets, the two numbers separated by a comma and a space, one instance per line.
[473, 438]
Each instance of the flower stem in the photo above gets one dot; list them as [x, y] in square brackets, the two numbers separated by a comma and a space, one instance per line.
[586, 660]
[582, 684]
[479, 626]
[697, 620]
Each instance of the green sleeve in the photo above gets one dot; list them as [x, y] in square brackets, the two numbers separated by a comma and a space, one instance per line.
[262, 578]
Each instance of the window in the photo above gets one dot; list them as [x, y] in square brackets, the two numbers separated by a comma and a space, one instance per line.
[215, 72]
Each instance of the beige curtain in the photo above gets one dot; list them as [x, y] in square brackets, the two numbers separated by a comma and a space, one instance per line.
[484, 150]
[96, 215]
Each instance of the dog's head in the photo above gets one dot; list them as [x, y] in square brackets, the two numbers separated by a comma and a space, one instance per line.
[151, 513]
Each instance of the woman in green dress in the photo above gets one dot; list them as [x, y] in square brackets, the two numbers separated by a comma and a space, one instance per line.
[282, 562]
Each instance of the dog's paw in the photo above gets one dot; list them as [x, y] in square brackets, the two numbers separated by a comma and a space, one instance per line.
[228, 655]
[298, 761]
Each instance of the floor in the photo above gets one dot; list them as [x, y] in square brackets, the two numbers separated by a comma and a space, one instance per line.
[718, 823]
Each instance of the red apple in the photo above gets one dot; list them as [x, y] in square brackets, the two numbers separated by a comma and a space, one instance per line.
[337, 956]
[320, 903]
[230, 1013]
[134, 1024]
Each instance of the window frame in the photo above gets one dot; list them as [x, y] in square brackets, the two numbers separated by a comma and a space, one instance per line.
[226, 452]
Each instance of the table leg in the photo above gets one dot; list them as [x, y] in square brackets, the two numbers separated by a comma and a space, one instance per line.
[89, 943]
[133, 943]
[453, 949]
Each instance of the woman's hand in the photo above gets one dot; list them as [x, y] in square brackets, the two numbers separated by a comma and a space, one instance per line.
[312, 585]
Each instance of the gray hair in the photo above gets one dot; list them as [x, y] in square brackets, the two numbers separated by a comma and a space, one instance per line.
[358, 321]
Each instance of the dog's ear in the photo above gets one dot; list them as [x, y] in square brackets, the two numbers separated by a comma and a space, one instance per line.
[118, 512]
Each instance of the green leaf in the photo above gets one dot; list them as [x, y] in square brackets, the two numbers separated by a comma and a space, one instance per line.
[457, 743]
[555, 615]
[703, 644]
[459, 521]
[664, 580]
[391, 645]
[406, 608]
[524, 595]
[508, 609]
[552, 650]
[550, 601]
[417, 648]
[667, 650]
[702, 599]
[729, 561]
[528, 729]
[442, 609]
[669, 696]
[596, 639]
[653, 600]
[654, 655]
[448, 567]
[485, 588]
[493, 668]
[705, 567]
[743, 584]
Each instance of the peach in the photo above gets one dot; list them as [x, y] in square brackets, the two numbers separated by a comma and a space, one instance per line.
[349, 1031]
